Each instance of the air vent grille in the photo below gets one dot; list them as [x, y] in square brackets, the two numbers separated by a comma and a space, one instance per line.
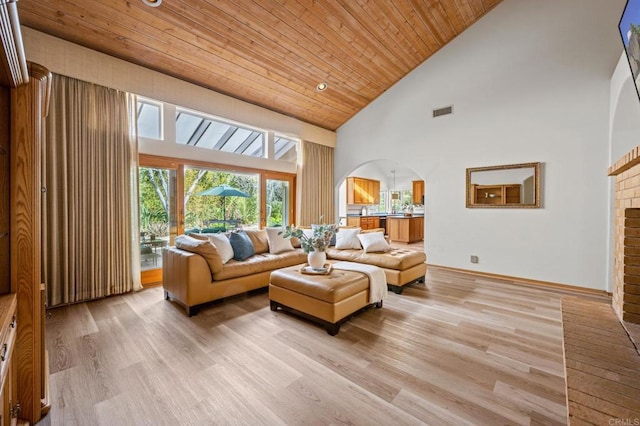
[443, 111]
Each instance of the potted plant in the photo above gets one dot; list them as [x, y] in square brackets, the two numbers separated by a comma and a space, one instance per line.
[313, 243]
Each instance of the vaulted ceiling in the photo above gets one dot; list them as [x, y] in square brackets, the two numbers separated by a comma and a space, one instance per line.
[271, 53]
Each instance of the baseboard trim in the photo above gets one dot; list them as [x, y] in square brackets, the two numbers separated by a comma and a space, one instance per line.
[526, 281]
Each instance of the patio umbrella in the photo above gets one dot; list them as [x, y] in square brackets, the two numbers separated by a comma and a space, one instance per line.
[224, 191]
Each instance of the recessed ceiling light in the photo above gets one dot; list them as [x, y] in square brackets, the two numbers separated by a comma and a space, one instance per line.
[152, 3]
[321, 87]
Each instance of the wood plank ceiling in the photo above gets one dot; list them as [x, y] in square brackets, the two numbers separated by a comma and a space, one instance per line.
[270, 53]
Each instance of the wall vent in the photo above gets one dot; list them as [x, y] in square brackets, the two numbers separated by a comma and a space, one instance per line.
[443, 111]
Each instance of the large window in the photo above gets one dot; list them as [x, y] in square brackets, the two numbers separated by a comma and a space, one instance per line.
[219, 200]
[197, 129]
[178, 196]
[206, 132]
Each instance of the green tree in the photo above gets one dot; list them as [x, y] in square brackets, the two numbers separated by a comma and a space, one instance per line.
[200, 209]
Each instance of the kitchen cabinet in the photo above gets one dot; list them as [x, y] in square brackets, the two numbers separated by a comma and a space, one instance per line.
[496, 194]
[418, 192]
[405, 229]
[363, 191]
[364, 222]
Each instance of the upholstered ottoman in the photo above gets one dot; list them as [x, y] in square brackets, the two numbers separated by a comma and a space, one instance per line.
[327, 299]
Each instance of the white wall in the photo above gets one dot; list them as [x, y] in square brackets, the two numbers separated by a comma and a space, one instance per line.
[624, 135]
[625, 112]
[529, 82]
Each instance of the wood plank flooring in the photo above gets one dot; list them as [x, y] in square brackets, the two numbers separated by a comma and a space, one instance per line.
[602, 364]
[456, 350]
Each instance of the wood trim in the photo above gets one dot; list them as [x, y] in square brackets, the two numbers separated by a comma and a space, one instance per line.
[146, 160]
[526, 281]
[151, 277]
[27, 111]
[5, 179]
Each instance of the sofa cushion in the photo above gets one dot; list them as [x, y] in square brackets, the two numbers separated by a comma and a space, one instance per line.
[398, 259]
[374, 242]
[242, 245]
[220, 241]
[260, 263]
[278, 243]
[204, 248]
[259, 240]
[348, 239]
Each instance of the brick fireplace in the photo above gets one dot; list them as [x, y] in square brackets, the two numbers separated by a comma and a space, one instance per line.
[626, 283]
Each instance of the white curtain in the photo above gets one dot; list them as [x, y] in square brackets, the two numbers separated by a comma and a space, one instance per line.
[89, 172]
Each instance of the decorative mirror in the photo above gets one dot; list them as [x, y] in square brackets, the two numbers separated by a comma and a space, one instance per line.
[510, 186]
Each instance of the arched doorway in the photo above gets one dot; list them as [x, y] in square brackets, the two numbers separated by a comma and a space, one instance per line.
[378, 190]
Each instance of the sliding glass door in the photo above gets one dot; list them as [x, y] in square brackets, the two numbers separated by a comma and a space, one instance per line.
[157, 218]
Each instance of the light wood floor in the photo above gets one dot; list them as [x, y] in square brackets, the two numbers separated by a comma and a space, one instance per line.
[602, 364]
[458, 350]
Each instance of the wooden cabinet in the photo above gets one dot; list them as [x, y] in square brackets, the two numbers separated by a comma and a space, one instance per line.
[369, 223]
[8, 389]
[406, 229]
[418, 192]
[365, 222]
[495, 195]
[374, 191]
[363, 191]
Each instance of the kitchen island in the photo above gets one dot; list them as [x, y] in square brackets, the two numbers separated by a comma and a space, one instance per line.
[405, 229]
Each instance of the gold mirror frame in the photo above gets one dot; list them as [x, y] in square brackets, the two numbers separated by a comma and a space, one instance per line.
[501, 195]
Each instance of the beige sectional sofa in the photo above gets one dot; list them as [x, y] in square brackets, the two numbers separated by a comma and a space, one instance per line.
[193, 277]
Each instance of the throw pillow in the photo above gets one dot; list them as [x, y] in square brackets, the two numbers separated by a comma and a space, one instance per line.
[242, 245]
[348, 239]
[202, 247]
[259, 240]
[374, 241]
[221, 241]
[277, 243]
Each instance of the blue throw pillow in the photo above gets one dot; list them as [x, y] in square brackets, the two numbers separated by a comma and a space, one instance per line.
[241, 245]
